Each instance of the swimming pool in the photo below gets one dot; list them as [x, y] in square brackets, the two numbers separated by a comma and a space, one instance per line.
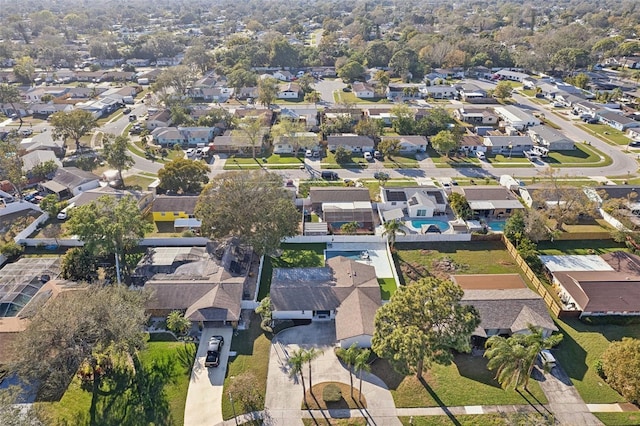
[496, 225]
[441, 224]
[353, 255]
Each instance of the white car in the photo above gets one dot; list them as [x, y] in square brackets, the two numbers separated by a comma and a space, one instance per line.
[368, 156]
[190, 152]
[480, 155]
[308, 154]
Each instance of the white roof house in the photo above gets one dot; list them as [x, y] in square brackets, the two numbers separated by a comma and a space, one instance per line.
[575, 263]
[516, 117]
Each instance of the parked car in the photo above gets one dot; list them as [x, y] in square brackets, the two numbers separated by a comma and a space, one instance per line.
[26, 132]
[132, 118]
[634, 143]
[329, 175]
[368, 156]
[481, 155]
[378, 155]
[190, 152]
[308, 153]
[213, 351]
[126, 111]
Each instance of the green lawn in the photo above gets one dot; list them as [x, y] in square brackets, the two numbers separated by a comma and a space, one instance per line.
[293, 256]
[582, 345]
[303, 188]
[351, 98]
[579, 247]
[467, 381]
[156, 394]
[502, 160]
[501, 419]
[582, 156]
[356, 161]
[252, 348]
[401, 162]
[619, 419]
[606, 133]
[387, 287]
[138, 181]
[271, 159]
[443, 161]
[475, 257]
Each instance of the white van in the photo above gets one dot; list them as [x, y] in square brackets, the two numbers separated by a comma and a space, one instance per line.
[547, 359]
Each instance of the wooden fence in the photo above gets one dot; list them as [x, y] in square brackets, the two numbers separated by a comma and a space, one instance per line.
[539, 286]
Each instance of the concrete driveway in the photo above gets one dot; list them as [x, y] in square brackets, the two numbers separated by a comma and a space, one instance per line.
[204, 398]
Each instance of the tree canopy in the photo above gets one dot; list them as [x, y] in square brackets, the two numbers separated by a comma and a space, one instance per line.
[75, 327]
[110, 226]
[116, 153]
[184, 176]
[422, 323]
[252, 206]
[72, 125]
[621, 367]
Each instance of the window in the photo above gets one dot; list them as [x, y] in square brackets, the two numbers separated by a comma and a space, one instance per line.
[421, 213]
[176, 213]
[508, 210]
[162, 214]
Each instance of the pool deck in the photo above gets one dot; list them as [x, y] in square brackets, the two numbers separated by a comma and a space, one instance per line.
[377, 256]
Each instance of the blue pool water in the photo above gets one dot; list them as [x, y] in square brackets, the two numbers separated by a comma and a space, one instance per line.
[441, 224]
[353, 255]
[496, 225]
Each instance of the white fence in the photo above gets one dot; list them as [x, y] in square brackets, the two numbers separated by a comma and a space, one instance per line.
[147, 242]
[17, 207]
[31, 228]
[335, 239]
[613, 221]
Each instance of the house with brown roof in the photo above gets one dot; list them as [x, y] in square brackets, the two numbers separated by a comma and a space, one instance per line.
[159, 119]
[490, 201]
[351, 142]
[208, 285]
[596, 291]
[505, 304]
[345, 291]
[337, 206]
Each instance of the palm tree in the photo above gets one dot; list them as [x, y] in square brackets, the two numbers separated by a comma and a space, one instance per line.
[391, 229]
[362, 365]
[515, 356]
[296, 362]
[310, 355]
[349, 357]
[350, 228]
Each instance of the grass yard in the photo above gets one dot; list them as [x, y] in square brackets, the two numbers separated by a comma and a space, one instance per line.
[476, 257]
[582, 156]
[293, 256]
[502, 160]
[585, 225]
[442, 161]
[351, 98]
[579, 247]
[401, 162]
[252, 348]
[467, 381]
[272, 159]
[606, 133]
[619, 419]
[387, 287]
[303, 188]
[497, 419]
[582, 345]
[315, 401]
[138, 181]
[357, 161]
[155, 395]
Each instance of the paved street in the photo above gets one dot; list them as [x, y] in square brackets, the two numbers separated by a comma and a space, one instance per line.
[204, 398]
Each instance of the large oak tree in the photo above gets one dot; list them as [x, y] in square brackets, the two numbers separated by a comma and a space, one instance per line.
[421, 325]
[252, 206]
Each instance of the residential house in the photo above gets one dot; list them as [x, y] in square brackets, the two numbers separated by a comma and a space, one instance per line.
[472, 143]
[511, 75]
[381, 114]
[208, 284]
[144, 199]
[287, 144]
[632, 62]
[568, 99]
[412, 201]
[505, 305]
[634, 133]
[469, 91]
[409, 144]
[586, 107]
[490, 201]
[118, 76]
[159, 119]
[628, 194]
[120, 93]
[443, 91]
[168, 137]
[18, 108]
[283, 75]
[363, 90]
[169, 208]
[70, 181]
[516, 118]
[337, 214]
[36, 93]
[616, 120]
[344, 290]
[321, 195]
[211, 94]
[151, 75]
[289, 91]
[351, 142]
[43, 110]
[550, 138]
[43, 142]
[35, 158]
[306, 115]
[476, 116]
[247, 92]
[595, 292]
[404, 91]
[507, 144]
[238, 143]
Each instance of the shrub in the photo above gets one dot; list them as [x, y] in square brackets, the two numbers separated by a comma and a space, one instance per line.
[331, 393]
[599, 368]
[11, 249]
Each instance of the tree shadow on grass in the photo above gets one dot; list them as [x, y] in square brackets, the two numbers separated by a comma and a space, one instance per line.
[438, 401]
[186, 355]
[475, 368]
